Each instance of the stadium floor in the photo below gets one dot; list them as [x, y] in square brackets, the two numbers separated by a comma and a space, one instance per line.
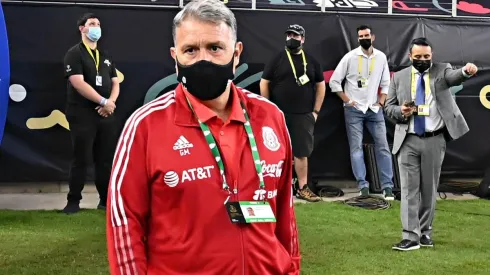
[34, 196]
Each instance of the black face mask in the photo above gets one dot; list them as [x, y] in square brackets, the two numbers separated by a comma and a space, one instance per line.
[365, 43]
[293, 44]
[205, 80]
[421, 65]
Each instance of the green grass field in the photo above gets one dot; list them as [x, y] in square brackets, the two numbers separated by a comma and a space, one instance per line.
[335, 239]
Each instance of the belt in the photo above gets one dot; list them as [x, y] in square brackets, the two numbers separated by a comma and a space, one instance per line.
[431, 134]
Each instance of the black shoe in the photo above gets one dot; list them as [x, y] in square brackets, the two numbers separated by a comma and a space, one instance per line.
[425, 241]
[388, 194]
[364, 192]
[72, 207]
[406, 245]
[102, 205]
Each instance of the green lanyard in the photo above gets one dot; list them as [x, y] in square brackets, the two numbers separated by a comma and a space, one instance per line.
[217, 156]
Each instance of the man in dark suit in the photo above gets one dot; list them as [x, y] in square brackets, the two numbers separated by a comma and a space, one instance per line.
[427, 116]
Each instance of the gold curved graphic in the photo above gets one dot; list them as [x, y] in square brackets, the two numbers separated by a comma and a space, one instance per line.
[56, 117]
[483, 96]
[120, 76]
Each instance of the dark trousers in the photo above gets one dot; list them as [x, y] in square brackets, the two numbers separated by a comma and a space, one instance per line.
[94, 141]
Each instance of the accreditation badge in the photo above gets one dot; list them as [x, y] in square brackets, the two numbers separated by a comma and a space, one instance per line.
[250, 212]
[423, 110]
[364, 82]
[98, 80]
[304, 79]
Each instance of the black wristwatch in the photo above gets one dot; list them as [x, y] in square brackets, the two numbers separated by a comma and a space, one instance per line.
[316, 112]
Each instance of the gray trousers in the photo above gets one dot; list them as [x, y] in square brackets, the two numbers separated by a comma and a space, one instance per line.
[419, 161]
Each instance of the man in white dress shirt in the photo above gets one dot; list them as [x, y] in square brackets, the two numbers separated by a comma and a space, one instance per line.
[365, 70]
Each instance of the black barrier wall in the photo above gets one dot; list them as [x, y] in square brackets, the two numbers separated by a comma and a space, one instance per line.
[36, 144]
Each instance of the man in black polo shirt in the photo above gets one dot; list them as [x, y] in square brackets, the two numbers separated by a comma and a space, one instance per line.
[294, 81]
[93, 88]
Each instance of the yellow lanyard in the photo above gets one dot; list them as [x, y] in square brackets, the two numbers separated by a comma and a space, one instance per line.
[359, 66]
[96, 58]
[414, 85]
[292, 64]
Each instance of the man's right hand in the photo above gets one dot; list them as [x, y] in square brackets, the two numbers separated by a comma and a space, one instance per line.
[407, 110]
[102, 112]
[352, 104]
[110, 106]
[107, 109]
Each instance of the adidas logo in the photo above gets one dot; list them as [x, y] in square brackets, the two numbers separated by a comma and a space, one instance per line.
[182, 143]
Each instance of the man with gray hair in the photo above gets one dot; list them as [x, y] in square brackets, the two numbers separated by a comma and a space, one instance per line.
[191, 163]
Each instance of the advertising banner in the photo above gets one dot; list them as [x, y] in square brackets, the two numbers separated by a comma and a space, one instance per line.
[4, 73]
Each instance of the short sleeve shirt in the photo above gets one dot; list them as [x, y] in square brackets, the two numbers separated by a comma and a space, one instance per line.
[78, 61]
[285, 92]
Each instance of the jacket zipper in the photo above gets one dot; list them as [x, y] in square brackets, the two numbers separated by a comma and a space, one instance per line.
[235, 185]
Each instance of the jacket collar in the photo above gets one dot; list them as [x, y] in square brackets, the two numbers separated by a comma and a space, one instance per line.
[185, 117]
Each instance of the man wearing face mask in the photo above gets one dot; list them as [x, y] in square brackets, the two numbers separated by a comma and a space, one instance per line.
[294, 81]
[192, 162]
[365, 70]
[427, 117]
[93, 88]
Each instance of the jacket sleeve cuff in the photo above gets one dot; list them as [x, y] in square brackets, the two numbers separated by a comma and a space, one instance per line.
[465, 74]
[295, 266]
[399, 115]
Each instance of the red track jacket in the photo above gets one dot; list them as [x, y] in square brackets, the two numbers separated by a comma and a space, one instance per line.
[166, 213]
